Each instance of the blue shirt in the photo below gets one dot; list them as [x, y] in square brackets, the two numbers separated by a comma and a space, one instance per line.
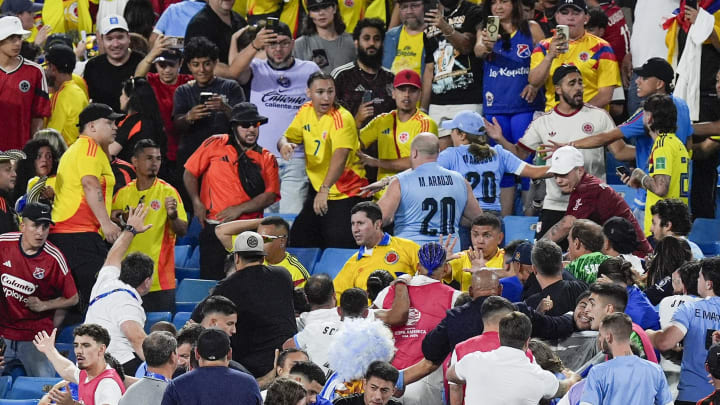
[626, 380]
[174, 20]
[512, 289]
[484, 176]
[212, 385]
[634, 128]
[696, 319]
[432, 202]
[640, 310]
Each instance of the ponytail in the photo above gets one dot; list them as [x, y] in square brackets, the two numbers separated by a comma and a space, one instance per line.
[479, 147]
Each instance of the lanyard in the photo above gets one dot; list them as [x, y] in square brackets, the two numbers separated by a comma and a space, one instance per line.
[157, 376]
[103, 295]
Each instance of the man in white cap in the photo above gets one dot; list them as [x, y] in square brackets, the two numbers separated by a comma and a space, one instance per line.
[264, 298]
[106, 72]
[590, 197]
[23, 89]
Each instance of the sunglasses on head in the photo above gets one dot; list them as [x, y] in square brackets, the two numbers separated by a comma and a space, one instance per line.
[272, 238]
[247, 125]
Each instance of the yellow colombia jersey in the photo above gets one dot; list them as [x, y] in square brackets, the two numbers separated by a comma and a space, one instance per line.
[396, 255]
[158, 242]
[321, 138]
[291, 263]
[409, 52]
[463, 262]
[50, 182]
[66, 104]
[351, 12]
[592, 55]
[669, 157]
[71, 212]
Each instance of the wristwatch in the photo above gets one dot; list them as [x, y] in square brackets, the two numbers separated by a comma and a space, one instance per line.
[130, 229]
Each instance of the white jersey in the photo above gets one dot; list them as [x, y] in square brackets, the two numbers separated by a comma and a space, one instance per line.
[560, 128]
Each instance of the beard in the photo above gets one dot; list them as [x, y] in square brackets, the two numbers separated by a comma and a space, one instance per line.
[283, 64]
[373, 61]
[570, 100]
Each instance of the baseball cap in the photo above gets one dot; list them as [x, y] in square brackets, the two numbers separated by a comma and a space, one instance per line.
[246, 112]
[562, 71]
[522, 253]
[169, 55]
[12, 154]
[565, 159]
[10, 25]
[95, 111]
[713, 360]
[282, 29]
[38, 212]
[113, 22]
[657, 67]
[314, 4]
[577, 4]
[249, 243]
[213, 344]
[61, 56]
[621, 234]
[466, 121]
[20, 6]
[407, 77]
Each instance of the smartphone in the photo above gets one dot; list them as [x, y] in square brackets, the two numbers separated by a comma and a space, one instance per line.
[563, 34]
[205, 96]
[176, 42]
[141, 200]
[367, 96]
[272, 22]
[623, 170]
[493, 27]
[691, 3]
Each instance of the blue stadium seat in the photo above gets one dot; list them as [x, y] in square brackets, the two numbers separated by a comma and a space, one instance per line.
[517, 227]
[66, 334]
[182, 273]
[182, 252]
[193, 232]
[180, 319]
[706, 233]
[19, 401]
[332, 261]
[5, 383]
[190, 292]
[628, 193]
[193, 261]
[290, 218]
[307, 256]
[155, 317]
[67, 350]
[31, 387]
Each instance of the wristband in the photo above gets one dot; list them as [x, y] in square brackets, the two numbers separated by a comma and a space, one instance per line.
[253, 46]
[400, 384]
[642, 181]
[326, 188]
[130, 229]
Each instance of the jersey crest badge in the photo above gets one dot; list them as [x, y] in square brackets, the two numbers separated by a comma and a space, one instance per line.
[588, 128]
[324, 135]
[489, 99]
[403, 137]
[24, 86]
[155, 204]
[523, 51]
[413, 317]
[584, 56]
[349, 3]
[39, 273]
[392, 257]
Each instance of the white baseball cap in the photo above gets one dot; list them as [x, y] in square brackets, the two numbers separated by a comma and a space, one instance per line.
[12, 26]
[565, 159]
[249, 243]
[113, 22]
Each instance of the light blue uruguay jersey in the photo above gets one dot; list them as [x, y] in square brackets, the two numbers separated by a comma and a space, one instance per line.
[697, 320]
[432, 202]
[484, 176]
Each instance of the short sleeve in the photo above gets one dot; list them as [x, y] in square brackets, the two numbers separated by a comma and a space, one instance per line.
[550, 382]
[591, 393]
[539, 53]
[162, 23]
[181, 213]
[182, 102]
[41, 102]
[663, 395]
[683, 316]
[90, 166]
[608, 68]
[430, 45]
[294, 131]
[369, 133]
[531, 139]
[634, 125]
[432, 127]
[463, 368]
[346, 278]
[129, 312]
[473, 18]
[271, 174]
[346, 135]
[301, 338]
[65, 282]
[662, 161]
[199, 161]
[511, 163]
[235, 93]
[445, 159]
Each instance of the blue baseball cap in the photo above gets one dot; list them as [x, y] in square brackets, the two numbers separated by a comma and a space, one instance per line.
[522, 253]
[466, 121]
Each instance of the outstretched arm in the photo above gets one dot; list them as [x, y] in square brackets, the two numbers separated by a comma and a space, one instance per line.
[45, 344]
[136, 218]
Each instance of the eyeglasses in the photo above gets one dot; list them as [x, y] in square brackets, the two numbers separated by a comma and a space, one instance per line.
[272, 238]
[247, 125]
[281, 44]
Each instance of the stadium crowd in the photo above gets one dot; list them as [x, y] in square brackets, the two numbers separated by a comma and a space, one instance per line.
[406, 136]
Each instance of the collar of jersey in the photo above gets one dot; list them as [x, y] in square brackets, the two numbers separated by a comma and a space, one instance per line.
[383, 242]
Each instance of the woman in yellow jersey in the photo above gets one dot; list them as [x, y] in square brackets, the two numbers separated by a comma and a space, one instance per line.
[42, 160]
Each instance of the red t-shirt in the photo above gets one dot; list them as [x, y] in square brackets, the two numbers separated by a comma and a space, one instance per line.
[164, 94]
[44, 275]
[24, 95]
[617, 32]
[594, 200]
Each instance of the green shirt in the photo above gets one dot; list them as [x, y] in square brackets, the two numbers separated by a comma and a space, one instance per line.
[585, 267]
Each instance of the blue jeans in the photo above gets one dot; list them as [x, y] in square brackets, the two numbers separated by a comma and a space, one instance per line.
[35, 363]
[293, 186]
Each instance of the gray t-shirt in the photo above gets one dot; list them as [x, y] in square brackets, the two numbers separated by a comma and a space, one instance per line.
[326, 54]
[147, 391]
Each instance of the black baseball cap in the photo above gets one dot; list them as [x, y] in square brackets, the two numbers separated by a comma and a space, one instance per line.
[213, 344]
[19, 6]
[38, 212]
[95, 111]
[169, 55]
[577, 4]
[58, 38]
[282, 29]
[316, 4]
[657, 67]
[61, 56]
[621, 234]
[713, 360]
[246, 112]
[523, 253]
[562, 71]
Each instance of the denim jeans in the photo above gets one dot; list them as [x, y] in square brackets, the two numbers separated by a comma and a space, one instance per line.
[294, 185]
[34, 362]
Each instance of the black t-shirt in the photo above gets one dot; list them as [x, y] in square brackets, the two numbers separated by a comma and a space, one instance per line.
[358, 399]
[209, 25]
[266, 316]
[532, 287]
[135, 128]
[8, 219]
[460, 323]
[564, 294]
[457, 79]
[186, 97]
[351, 83]
[105, 80]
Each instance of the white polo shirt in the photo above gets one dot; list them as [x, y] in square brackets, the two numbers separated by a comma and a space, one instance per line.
[113, 302]
[504, 376]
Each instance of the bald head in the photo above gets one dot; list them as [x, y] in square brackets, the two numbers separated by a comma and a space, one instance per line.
[485, 283]
[426, 144]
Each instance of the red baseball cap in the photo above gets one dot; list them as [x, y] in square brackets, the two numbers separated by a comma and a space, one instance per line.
[407, 77]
